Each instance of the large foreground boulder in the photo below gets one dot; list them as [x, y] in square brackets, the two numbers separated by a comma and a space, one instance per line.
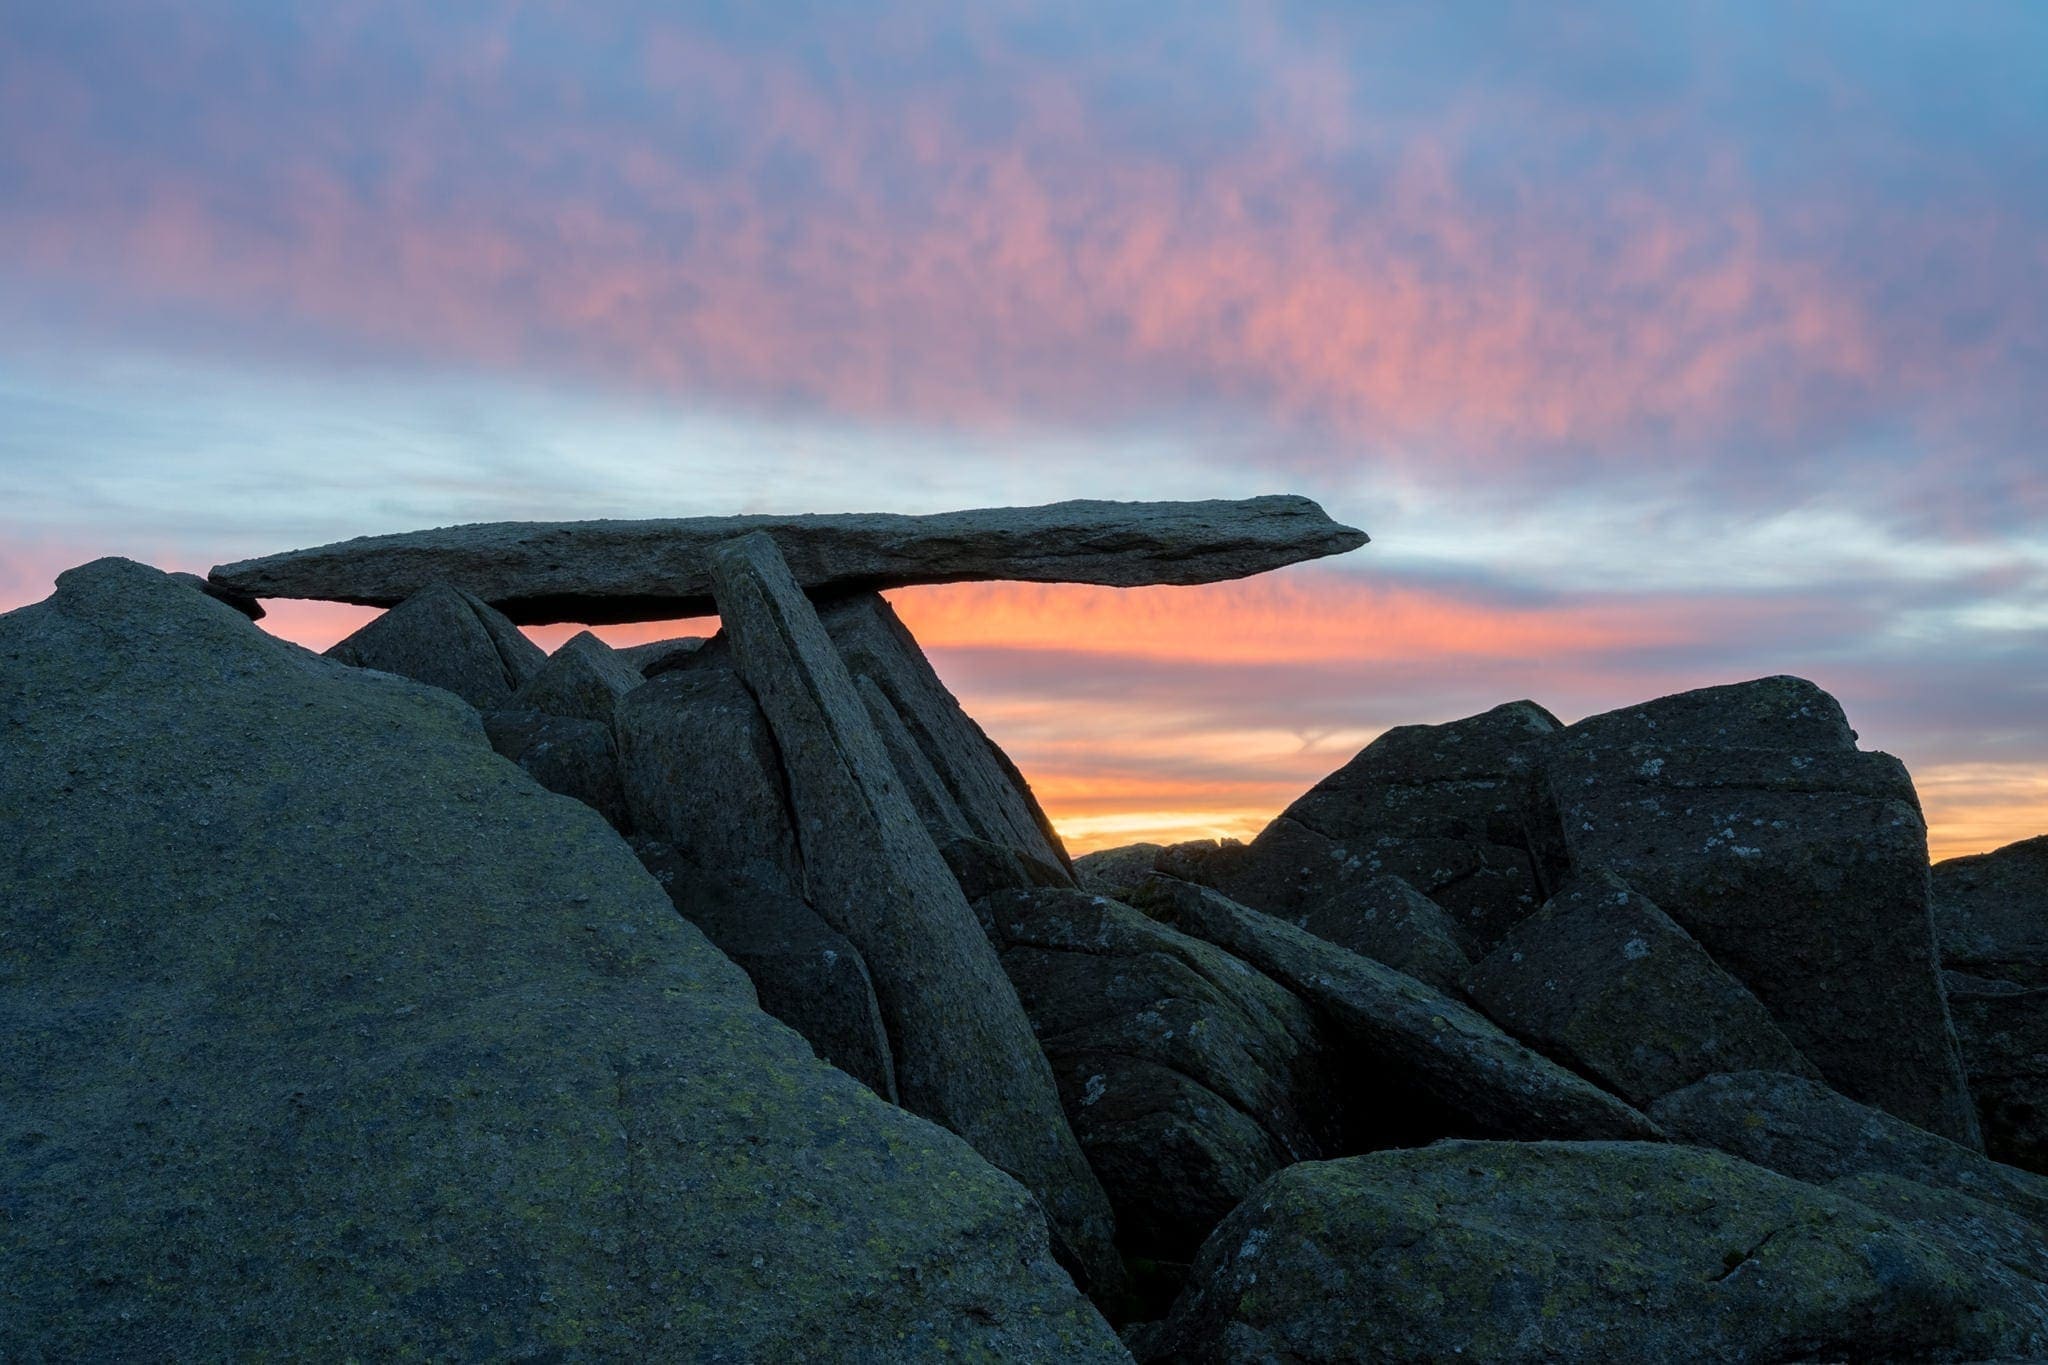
[1420, 1042]
[1747, 814]
[606, 571]
[1583, 1252]
[450, 639]
[328, 1033]
[1991, 913]
[963, 1049]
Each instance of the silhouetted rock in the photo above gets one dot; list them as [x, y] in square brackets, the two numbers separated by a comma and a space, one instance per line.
[574, 757]
[329, 1033]
[1414, 1033]
[964, 1052]
[1607, 983]
[447, 638]
[1748, 816]
[2003, 1032]
[1188, 1077]
[598, 572]
[1804, 1129]
[1991, 913]
[584, 678]
[1549, 1251]
[1439, 806]
[248, 606]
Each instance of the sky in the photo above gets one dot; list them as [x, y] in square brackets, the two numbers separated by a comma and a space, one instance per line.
[1657, 346]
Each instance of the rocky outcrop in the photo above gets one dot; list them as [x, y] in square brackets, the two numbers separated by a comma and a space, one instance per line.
[1805, 1130]
[1109, 871]
[963, 1050]
[1439, 806]
[1188, 1077]
[330, 1033]
[659, 656]
[1420, 1040]
[1582, 1251]
[1608, 984]
[597, 572]
[1747, 814]
[449, 639]
[575, 758]
[585, 678]
[2003, 1032]
[1389, 921]
[1991, 913]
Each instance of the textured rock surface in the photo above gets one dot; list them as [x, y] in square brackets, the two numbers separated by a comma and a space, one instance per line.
[575, 758]
[963, 1050]
[248, 606]
[1493, 1085]
[1792, 1125]
[1188, 1077]
[1389, 921]
[447, 638]
[1991, 913]
[1107, 871]
[1581, 1251]
[659, 656]
[1747, 814]
[1608, 984]
[701, 773]
[2003, 1031]
[329, 1033]
[604, 571]
[978, 791]
[1437, 805]
[805, 973]
[585, 678]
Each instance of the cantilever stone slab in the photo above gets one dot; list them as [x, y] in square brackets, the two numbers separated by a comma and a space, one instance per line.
[599, 572]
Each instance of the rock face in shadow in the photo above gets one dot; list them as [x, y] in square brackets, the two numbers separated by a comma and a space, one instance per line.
[1389, 921]
[975, 790]
[585, 678]
[963, 1050]
[598, 572]
[2003, 1032]
[1607, 983]
[1439, 806]
[1550, 1251]
[1747, 814]
[1188, 1077]
[447, 638]
[1792, 1125]
[329, 1032]
[1991, 913]
[659, 656]
[575, 758]
[1416, 1035]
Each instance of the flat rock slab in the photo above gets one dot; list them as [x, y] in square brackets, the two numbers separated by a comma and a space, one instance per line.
[599, 572]
[329, 1033]
[1584, 1251]
[963, 1049]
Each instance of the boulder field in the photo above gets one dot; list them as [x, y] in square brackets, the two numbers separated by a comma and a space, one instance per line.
[733, 999]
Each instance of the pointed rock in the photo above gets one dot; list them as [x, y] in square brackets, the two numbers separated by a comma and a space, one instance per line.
[964, 1052]
[584, 679]
[447, 638]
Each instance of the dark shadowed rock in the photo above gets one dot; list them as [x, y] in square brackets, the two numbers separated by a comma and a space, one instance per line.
[1747, 815]
[329, 1033]
[701, 773]
[2003, 1032]
[447, 638]
[1108, 871]
[659, 656]
[983, 868]
[964, 1052]
[1608, 984]
[804, 972]
[980, 792]
[1552, 1251]
[1991, 913]
[1439, 806]
[1805, 1130]
[1389, 921]
[1413, 1033]
[1188, 1077]
[577, 758]
[2000, 1249]
[248, 606]
[606, 571]
[584, 678]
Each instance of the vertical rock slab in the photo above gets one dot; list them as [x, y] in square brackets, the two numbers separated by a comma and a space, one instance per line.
[1604, 981]
[988, 793]
[583, 679]
[964, 1052]
[2003, 1032]
[1749, 816]
[450, 639]
[329, 1033]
